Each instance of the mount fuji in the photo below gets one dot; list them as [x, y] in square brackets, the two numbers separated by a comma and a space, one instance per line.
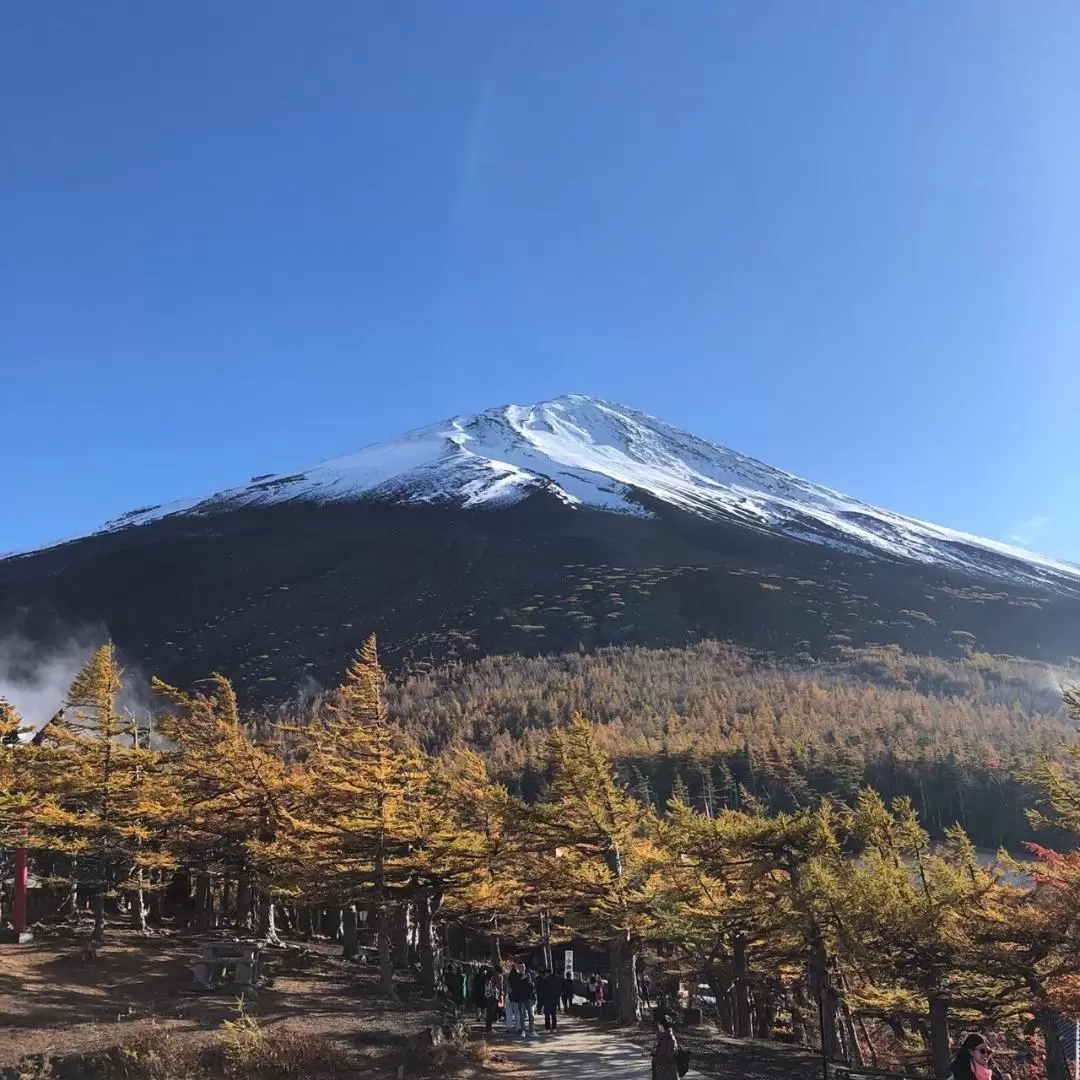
[589, 452]
[572, 523]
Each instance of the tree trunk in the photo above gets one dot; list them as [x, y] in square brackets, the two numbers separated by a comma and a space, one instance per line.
[244, 903]
[227, 917]
[287, 914]
[154, 902]
[429, 961]
[202, 902]
[73, 895]
[801, 1010]
[400, 932]
[1057, 1068]
[766, 1013]
[99, 912]
[718, 986]
[382, 928]
[178, 893]
[869, 1042]
[624, 956]
[99, 895]
[267, 927]
[822, 993]
[741, 988]
[350, 934]
[137, 903]
[851, 1038]
[939, 1035]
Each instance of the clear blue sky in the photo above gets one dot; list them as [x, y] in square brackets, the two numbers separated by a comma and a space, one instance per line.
[238, 237]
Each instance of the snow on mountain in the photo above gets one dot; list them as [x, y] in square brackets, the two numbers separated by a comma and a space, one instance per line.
[590, 452]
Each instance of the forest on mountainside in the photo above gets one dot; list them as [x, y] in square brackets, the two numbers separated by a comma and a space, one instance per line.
[717, 722]
[831, 923]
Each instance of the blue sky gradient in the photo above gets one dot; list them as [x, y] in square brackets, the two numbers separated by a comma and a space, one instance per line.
[242, 237]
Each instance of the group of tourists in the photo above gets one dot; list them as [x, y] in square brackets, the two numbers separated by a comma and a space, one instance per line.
[517, 994]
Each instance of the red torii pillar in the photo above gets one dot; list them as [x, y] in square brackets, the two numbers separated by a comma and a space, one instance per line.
[18, 904]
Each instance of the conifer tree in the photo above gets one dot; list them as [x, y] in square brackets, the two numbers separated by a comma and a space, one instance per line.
[763, 888]
[112, 803]
[353, 803]
[15, 799]
[1030, 937]
[594, 857]
[911, 910]
[468, 855]
[705, 905]
[231, 793]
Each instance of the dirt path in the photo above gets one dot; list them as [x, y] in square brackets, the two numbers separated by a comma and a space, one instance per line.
[578, 1051]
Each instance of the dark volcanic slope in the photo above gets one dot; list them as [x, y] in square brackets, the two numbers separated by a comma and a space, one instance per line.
[276, 594]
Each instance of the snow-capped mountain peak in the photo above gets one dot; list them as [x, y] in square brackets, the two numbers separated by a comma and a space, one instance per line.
[592, 453]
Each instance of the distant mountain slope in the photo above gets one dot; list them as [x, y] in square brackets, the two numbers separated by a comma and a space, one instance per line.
[571, 524]
[589, 452]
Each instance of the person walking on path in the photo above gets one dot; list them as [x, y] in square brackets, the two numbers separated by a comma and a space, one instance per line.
[550, 989]
[523, 994]
[567, 992]
[512, 991]
[492, 999]
[645, 991]
[665, 1055]
[479, 989]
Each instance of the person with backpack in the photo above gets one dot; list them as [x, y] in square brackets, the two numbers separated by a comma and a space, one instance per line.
[492, 999]
[668, 1061]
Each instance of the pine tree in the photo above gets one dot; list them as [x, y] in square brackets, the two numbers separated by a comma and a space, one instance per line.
[761, 888]
[231, 792]
[15, 800]
[595, 859]
[705, 906]
[466, 862]
[112, 802]
[1030, 937]
[679, 791]
[911, 910]
[352, 804]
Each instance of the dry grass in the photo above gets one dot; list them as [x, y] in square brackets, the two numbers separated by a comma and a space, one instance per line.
[124, 1015]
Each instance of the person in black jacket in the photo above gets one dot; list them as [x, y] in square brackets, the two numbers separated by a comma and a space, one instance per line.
[550, 989]
[567, 991]
[523, 994]
[479, 984]
[513, 998]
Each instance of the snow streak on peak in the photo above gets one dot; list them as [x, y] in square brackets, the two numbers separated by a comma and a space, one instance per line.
[589, 452]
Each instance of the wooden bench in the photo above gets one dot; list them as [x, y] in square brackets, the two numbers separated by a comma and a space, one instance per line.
[217, 958]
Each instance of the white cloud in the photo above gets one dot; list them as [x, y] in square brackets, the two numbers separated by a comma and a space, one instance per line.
[1029, 532]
